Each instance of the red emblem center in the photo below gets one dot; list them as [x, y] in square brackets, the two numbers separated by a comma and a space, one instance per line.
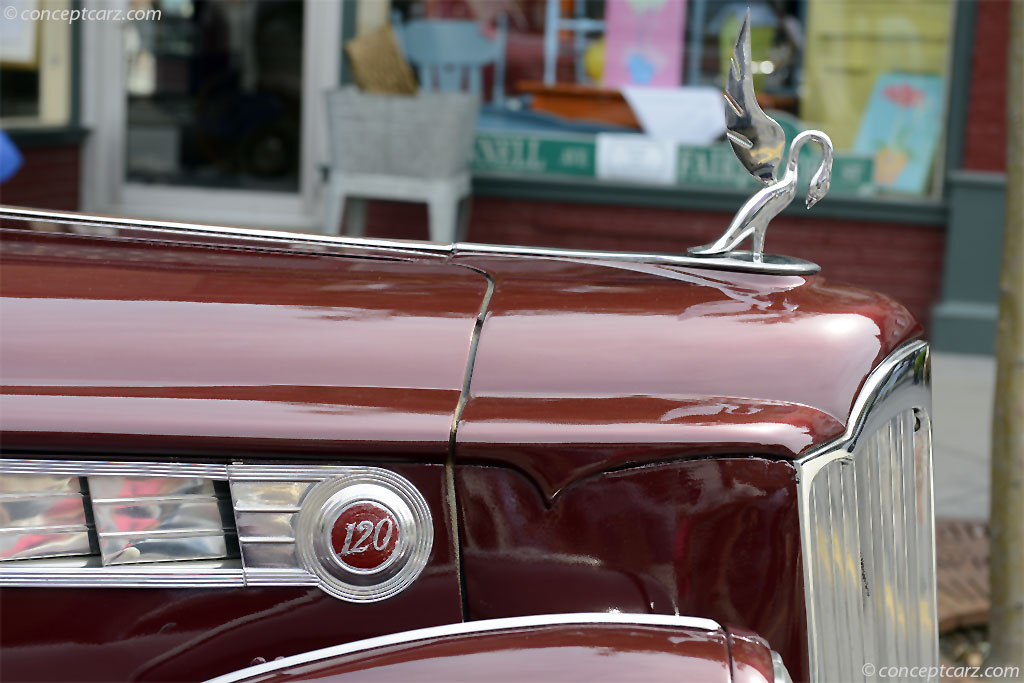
[365, 535]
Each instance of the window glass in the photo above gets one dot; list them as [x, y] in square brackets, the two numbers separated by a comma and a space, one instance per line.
[35, 64]
[579, 80]
[874, 76]
[214, 94]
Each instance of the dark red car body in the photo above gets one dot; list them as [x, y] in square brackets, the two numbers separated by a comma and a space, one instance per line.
[590, 435]
[566, 650]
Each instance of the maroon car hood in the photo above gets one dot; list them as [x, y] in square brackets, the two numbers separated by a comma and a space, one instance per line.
[145, 346]
[145, 341]
[589, 366]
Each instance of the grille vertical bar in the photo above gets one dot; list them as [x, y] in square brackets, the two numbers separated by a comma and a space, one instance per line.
[852, 587]
[871, 554]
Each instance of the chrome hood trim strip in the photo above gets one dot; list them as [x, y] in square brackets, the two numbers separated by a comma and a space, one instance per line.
[741, 261]
[72, 218]
[734, 261]
[84, 468]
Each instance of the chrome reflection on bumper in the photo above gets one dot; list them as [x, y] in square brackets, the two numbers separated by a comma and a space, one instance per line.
[867, 529]
[42, 515]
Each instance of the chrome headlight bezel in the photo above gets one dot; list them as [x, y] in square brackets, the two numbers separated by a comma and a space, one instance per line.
[867, 529]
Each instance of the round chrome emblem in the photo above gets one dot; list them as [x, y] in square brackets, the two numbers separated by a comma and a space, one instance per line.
[366, 537]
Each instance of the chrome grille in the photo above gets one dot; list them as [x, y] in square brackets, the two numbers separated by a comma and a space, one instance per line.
[266, 512]
[868, 535]
[122, 519]
[163, 524]
[161, 519]
[42, 516]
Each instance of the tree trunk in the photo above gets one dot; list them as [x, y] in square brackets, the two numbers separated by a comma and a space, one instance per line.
[1006, 624]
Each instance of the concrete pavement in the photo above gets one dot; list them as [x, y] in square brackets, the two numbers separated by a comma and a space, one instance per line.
[962, 392]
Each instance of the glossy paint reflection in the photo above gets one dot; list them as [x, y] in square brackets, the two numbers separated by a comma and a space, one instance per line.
[163, 345]
[751, 657]
[715, 538]
[584, 479]
[557, 442]
[572, 652]
[595, 361]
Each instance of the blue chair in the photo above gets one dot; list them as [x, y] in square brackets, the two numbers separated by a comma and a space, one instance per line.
[579, 25]
[450, 55]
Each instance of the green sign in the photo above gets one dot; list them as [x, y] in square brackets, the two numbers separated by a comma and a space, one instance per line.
[716, 166]
[851, 175]
[711, 166]
[527, 153]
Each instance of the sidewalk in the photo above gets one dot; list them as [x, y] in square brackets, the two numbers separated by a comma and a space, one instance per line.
[962, 390]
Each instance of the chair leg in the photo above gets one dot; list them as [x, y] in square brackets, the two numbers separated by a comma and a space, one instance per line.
[462, 227]
[355, 221]
[334, 207]
[443, 209]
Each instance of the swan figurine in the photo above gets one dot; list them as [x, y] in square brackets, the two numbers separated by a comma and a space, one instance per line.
[758, 141]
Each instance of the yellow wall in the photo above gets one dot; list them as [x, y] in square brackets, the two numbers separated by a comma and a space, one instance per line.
[851, 42]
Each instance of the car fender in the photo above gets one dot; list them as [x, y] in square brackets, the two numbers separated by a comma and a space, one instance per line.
[565, 647]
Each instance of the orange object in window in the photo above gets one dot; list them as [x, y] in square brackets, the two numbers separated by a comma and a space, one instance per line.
[573, 101]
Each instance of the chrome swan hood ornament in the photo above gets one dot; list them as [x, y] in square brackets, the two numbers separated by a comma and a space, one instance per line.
[759, 142]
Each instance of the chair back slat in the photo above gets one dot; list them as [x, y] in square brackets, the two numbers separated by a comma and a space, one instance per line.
[450, 77]
[425, 74]
[475, 81]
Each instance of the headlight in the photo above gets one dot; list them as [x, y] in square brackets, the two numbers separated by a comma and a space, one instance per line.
[868, 532]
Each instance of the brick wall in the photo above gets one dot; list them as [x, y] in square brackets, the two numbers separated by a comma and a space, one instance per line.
[47, 180]
[903, 261]
[985, 142]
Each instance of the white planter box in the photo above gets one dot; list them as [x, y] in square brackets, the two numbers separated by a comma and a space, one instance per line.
[427, 135]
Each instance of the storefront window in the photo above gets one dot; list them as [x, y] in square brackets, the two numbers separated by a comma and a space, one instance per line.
[35, 65]
[582, 79]
[214, 92]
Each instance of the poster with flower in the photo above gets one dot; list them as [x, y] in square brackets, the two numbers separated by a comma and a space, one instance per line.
[900, 129]
[644, 43]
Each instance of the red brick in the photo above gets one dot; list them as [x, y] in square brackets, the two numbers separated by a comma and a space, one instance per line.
[902, 261]
[49, 179]
[985, 142]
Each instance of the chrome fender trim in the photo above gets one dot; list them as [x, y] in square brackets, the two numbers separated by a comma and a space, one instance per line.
[468, 628]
